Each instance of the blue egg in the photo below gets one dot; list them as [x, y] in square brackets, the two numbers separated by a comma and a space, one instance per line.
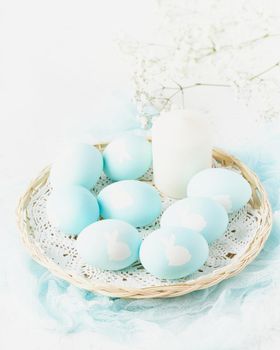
[203, 215]
[132, 201]
[127, 157]
[109, 244]
[173, 252]
[225, 186]
[79, 164]
[72, 208]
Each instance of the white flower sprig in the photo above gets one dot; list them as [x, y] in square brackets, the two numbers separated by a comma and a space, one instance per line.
[214, 43]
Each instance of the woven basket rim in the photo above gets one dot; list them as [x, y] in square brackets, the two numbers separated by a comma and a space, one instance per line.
[259, 200]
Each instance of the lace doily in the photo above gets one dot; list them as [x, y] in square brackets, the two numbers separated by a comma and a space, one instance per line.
[61, 249]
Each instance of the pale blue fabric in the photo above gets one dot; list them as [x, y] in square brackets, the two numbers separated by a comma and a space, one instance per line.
[184, 317]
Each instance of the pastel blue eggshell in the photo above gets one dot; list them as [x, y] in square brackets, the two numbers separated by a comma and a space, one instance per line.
[203, 215]
[173, 253]
[132, 201]
[127, 157]
[79, 164]
[225, 186]
[72, 208]
[109, 244]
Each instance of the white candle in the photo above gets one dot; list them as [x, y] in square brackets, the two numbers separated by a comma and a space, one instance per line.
[182, 146]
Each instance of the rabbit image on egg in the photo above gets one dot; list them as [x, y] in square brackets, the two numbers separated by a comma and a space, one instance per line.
[122, 151]
[116, 250]
[173, 252]
[123, 198]
[176, 254]
[224, 200]
[193, 221]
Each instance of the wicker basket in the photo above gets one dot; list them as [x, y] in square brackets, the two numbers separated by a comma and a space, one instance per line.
[57, 252]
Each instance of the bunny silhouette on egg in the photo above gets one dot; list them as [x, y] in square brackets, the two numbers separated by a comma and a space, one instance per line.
[116, 250]
[123, 198]
[176, 254]
[193, 221]
[110, 245]
[173, 252]
[224, 200]
[122, 151]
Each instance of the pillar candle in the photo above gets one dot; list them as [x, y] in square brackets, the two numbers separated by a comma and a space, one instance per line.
[182, 146]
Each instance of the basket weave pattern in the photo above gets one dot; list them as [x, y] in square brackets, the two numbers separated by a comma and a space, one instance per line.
[245, 237]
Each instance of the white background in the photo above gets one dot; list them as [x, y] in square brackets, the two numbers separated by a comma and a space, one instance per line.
[59, 67]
